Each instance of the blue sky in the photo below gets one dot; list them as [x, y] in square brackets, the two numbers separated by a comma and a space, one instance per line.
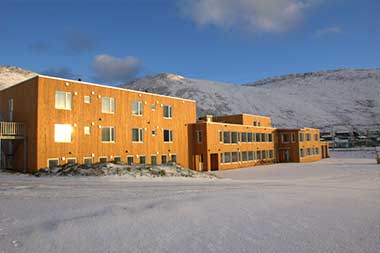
[234, 41]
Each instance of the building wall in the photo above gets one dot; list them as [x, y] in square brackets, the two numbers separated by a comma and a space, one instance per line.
[292, 146]
[82, 114]
[25, 111]
[244, 119]
[310, 144]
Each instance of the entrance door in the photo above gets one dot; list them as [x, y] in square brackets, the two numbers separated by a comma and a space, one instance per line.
[214, 159]
[284, 155]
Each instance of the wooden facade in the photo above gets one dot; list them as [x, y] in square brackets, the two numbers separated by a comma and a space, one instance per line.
[92, 122]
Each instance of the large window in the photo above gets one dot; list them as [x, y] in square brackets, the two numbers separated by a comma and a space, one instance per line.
[234, 137]
[168, 111]
[108, 105]
[137, 108]
[137, 135]
[63, 100]
[235, 157]
[250, 156]
[227, 137]
[168, 135]
[270, 137]
[142, 159]
[263, 137]
[244, 156]
[63, 133]
[227, 157]
[130, 160]
[258, 137]
[308, 152]
[108, 134]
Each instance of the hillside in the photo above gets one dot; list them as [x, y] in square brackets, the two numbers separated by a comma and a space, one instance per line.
[12, 75]
[319, 99]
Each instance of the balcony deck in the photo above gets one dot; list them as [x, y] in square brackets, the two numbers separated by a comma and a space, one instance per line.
[12, 130]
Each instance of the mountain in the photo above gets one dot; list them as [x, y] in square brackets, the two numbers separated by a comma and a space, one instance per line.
[348, 97]
[12, 75]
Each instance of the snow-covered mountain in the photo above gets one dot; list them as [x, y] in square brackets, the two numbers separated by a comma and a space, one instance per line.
[12, 75]
[348, 97]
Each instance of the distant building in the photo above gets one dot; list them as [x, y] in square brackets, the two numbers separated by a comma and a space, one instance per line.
[48, 121]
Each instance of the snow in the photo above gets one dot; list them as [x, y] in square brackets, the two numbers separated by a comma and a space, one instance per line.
[328, 206]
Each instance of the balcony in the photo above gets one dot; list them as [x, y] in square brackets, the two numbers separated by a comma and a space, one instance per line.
[12, 130]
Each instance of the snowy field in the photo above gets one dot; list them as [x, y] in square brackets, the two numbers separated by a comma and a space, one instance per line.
[329, 206]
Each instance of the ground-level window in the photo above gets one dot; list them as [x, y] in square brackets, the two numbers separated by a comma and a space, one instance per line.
[88, 161]
[142, 159]
[227, 137]
[244, 156]
[117, 159]
[258, 155]
[153, 160]
[168, 135]
[271, 154]
[308, 152]
[174, 158]
[71, 161]
[53, 163]
[227, 157]
[103, 159]
[302, 153]
[235, 157]
[108, 134]
[137, 135]
[164, 159]
[250, 155]
[63, 133]
[130, 160]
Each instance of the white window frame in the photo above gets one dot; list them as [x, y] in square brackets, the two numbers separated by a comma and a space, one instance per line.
[85, 158]
[63, 139]
[140, 108]
[85, 128]
[68, 100]
[169, 110]
[114, 134]
[111, 104]
[170, 135]
[87, 99]
[140, 135]
[52, 159]
[106, 157]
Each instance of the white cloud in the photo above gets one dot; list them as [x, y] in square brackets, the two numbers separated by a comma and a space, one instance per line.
[113, 69]
[254, 15]
[328, 31]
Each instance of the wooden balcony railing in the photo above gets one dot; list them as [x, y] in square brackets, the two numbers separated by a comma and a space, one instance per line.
[12, 129]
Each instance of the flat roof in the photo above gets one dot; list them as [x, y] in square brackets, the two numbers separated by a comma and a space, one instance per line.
[241, 114]
[230, 124]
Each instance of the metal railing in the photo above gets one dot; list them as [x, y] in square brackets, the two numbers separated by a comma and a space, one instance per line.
[12, 129]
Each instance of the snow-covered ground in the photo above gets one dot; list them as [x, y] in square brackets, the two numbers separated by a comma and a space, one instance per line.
[329, 206]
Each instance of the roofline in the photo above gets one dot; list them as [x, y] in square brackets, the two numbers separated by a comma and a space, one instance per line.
[115, 88]
[221, 123]
[30, 78]
[241, 114]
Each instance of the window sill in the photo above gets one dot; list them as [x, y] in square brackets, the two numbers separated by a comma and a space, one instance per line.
[64, 109]
[168, 117]
[137, 142]
[64, 142]
[108, 112]
[111, 142]
[137, 115]
[168, 142]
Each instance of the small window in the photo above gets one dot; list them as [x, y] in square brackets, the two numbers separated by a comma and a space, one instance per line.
[117, 159]
[164, 159]
[63, 133]
[254, 123]
[199, 136]
[317, 151]
[293, 137]
[227, 157]
[220, 136]
[235, 157]
[103, 159]
[168, 135]
[244, 156]
[234, 137]
[87, 99]
[88, 161]
[258, 137]
[285, 138]
[63, 100]
[108, 134]
[227, 137]
[264, 154]
[316, 137]
[174, 158]
[142, 159]
[137, 108]
[154, 132]
[250, 137]
[258, 155]
[302, 136]
[87, 130]
[108, 105]
[137, 135]
[308, 138]
[153, 107]
[53, 163]
[153, 160]
[243, 137]
[258, 123]
[168, 111]
[71, 161]
[130, 160]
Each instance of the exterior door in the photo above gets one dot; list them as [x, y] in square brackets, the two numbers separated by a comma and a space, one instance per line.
[214, 159]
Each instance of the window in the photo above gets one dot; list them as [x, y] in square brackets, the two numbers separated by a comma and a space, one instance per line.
[258, 123]
[220, 136]
[137, 135]
[285, 138]
[153, 107]
[53, 163]
[227, 137]
[235, 157]
[103, 159]
[199, 136]
[87, 130]
[308, 152]
[293, 137]
[270, 137]
[154, 132]
[317, 151]
[258, 155]
[63, 100]
[258, 139]
[302, 136]
[264, 154]
[137, 108]
[88, 161]
[117, 159]
[108, 105]
[254, 123]
[63, 133]
[250, 137]
[71, 161]
[316, 137]
[271, 154]
[108, 134]
[168, 111]
[302, 153]
[263, 137]
[250, 156]
[168, 135]
[142, 159]
[174, 158]
[153, 160]
[244, 156]
[221, 158]
[243, 137]
[234, 137]
[227, 157]
[164, 159]
[308, 137]
[87, 99]
[130, 160]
